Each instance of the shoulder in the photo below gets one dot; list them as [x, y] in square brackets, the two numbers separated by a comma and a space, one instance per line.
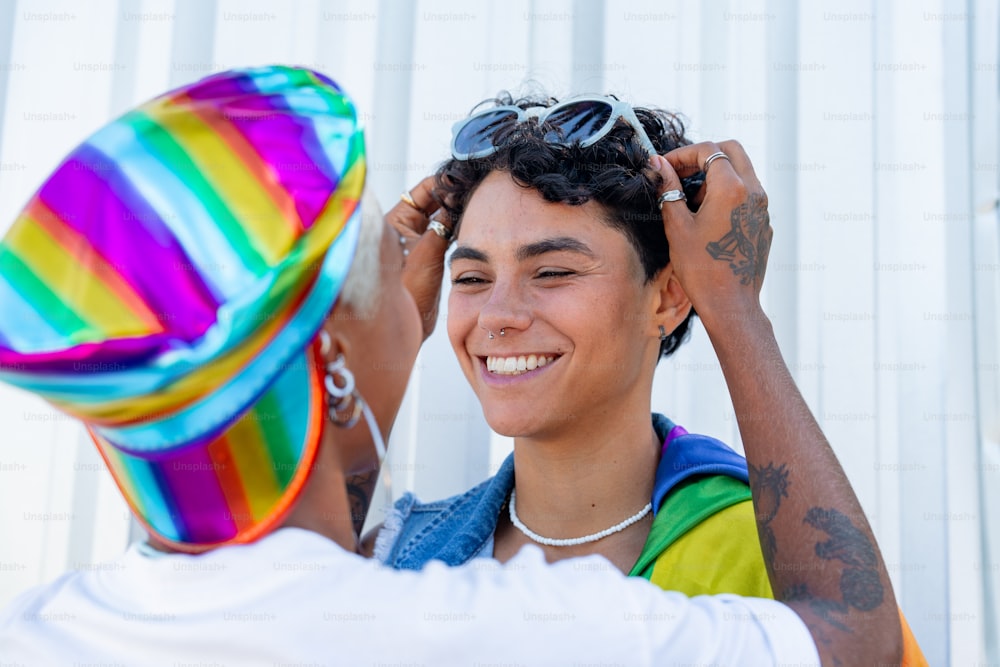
[721, 554]
[687, 456]
[704, 537]
[34, 611]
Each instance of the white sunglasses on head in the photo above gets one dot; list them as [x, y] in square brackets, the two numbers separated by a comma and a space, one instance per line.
[582, 120]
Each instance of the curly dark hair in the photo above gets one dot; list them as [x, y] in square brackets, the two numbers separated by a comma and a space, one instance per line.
[612, 172]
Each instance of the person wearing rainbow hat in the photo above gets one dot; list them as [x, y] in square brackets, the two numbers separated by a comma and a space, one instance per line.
[205, 286]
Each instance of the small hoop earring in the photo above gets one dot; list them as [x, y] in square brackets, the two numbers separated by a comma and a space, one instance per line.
[344, 404]
[663, 333]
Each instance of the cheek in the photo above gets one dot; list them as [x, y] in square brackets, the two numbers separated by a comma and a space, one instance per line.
[607, 319]
[459, 319]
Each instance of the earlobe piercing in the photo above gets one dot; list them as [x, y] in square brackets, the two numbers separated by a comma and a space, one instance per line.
[663, 333]
[344, 404]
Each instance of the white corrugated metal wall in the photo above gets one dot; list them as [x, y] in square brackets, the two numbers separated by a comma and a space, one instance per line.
[873, 126]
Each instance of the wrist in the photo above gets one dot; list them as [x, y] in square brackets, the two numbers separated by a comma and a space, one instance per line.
[725, 318]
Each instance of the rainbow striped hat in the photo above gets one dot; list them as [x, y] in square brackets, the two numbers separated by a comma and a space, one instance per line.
[164, 285]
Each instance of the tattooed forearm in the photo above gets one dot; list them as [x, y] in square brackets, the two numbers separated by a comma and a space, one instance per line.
[823, 607]
[745, 246]
[770, 485]
[860, 583]
[359, 492]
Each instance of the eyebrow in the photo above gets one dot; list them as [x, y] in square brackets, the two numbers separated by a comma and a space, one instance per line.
[465, 252]
[557, 244]
[525, 252]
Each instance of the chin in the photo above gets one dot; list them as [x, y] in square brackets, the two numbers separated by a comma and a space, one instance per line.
[516, 423]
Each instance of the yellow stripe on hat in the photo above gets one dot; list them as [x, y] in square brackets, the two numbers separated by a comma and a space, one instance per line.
[334, 216]
[81, 286]
[241, 190]
[254, 465]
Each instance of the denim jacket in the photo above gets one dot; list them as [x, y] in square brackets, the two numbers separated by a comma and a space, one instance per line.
[460, 528]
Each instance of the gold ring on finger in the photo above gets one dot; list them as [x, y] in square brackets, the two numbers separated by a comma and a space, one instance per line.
[408, 199]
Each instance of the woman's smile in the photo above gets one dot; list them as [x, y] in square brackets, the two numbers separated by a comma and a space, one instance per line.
[502, 371]
[518, 364]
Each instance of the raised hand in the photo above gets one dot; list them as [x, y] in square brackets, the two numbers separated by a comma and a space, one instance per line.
[424, 251]
[718, 253]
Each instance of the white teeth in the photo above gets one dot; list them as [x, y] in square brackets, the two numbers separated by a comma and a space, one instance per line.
[516, 365]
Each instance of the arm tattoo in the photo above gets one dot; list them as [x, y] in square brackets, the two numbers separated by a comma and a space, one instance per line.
[860, 584]
[770, 485]
[359, 493]
[746, 245]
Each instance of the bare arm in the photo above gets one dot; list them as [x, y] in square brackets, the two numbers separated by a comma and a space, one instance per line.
[820, 552]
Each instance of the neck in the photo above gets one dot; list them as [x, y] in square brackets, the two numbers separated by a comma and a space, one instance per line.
[324, 506]
[587, 477]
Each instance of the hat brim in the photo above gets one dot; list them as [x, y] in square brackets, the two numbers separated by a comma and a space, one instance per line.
[235, 486]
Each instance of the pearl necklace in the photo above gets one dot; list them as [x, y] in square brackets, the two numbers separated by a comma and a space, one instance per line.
[548, 541]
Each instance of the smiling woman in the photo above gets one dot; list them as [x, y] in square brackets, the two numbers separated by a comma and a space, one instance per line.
[564, 297]
[563, 300]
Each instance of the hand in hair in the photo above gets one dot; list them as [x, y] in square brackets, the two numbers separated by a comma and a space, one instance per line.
[720, 251]
[425, 262]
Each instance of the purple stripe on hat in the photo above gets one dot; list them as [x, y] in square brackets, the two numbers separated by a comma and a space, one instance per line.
[132, 239]
[192, 485]
[301, 166]
[327, 80]
[219, 87]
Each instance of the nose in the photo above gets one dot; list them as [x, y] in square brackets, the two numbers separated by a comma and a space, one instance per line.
[506, 308]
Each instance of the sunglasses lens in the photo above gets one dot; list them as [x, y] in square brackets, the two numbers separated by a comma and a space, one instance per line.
[477, 133]
[577, 121]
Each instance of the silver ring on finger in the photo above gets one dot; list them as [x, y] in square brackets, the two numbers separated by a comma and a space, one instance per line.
[440, 229]
[712, 158]
[670, 195]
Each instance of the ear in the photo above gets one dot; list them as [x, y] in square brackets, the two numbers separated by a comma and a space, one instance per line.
[339, 342]
[673, 305]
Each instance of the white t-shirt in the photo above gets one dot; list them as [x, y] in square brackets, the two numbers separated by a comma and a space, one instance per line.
[296, 598]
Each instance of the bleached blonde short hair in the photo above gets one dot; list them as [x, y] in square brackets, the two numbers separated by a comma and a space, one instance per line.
[361, 288]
